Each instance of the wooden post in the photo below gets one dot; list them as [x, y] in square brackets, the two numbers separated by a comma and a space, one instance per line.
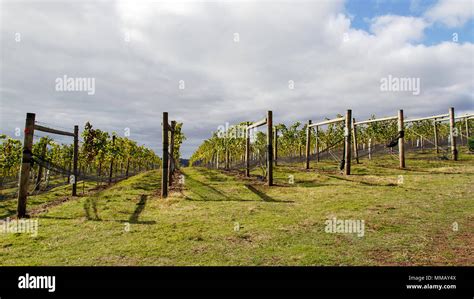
[247, 152]
[316, 145]
[435, 128]
[217, 160]
[276, 146]
[270, 148]
[25, 164]
[354, 139]
[454, 150]
[171, 161]
[308, 143]
[401, 140]
[369, 148]
[164, 166]
[75, 159]
[467, 129]
[111, 170]
[347, 133]
[40, 168]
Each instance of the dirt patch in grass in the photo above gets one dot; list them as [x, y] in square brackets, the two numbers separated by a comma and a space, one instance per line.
[455, 245]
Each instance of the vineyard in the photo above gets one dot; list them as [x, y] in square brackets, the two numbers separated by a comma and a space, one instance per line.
[341, 139]
[45, 164]
[249, 197]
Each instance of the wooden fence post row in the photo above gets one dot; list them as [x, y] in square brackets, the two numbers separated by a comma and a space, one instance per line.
[27, 158]
[269, 161]
[348, 122]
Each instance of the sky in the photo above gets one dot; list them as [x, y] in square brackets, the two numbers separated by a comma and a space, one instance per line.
[209, 63]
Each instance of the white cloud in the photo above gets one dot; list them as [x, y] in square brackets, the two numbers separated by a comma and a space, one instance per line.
[334, 66]
[452, 13]
[394, 29]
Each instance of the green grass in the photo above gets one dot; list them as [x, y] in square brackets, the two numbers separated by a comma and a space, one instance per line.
[37, 199]
[128, 224]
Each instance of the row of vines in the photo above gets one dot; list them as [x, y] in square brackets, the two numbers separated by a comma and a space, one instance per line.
[96, 152]
[292, 138]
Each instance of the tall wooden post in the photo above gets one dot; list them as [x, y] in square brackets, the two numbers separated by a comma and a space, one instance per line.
[217, 160]
[369, 148]
[316, 145]
[171, 160]
[467, 128]
[347, 133]
[308, 143]
[435, 128]
[164, 166]
[276, 145]
[40, 168]
[25, 164]
[401, 140]
[354, 140]
[454, 150]
[111, 169]
[247, 152]
[75, 159]
[270, 148]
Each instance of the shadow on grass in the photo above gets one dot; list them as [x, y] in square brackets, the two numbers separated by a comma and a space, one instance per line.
[363, 182]
[264, 196]
[7, 213]
[221, 176]
[147, 184]
[91, 203]
[310, 184]
[91, 210]
[138, 209]
[207, 192]
[99, 220]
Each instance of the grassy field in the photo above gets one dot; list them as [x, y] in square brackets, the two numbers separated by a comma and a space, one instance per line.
[219, 218]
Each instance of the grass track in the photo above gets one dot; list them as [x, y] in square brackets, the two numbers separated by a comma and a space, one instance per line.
[128, 224]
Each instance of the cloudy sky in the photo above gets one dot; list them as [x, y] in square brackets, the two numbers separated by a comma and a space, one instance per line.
[236, 60]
